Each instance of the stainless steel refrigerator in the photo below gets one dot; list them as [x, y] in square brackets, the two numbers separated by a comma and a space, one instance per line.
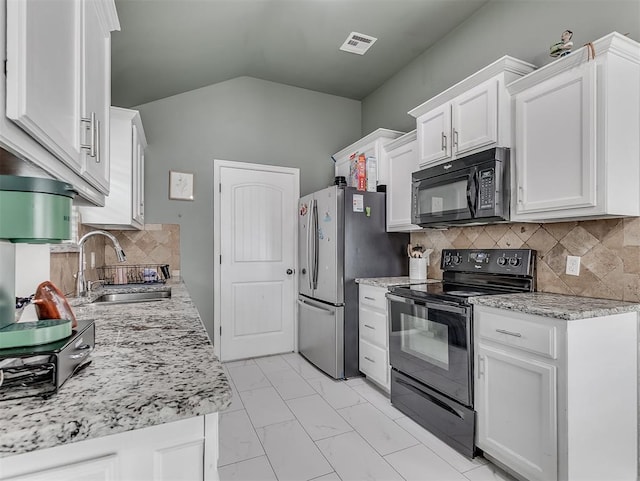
[342, 236]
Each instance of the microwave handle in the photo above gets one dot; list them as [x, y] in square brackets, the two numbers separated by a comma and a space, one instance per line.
[472, 192]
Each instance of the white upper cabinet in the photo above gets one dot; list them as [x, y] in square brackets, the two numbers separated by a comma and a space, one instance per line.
[472, 115]
[43, 74]
[96, 94]
[576, 144]
[403, 161]
[58, 88]
[371, 146]
[124, 207]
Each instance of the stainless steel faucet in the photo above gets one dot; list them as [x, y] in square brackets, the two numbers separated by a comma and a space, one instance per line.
[81, 285]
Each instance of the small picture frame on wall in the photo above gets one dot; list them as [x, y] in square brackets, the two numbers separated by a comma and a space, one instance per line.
[180, 185]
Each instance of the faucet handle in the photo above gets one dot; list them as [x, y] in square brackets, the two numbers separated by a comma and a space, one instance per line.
[93, 284]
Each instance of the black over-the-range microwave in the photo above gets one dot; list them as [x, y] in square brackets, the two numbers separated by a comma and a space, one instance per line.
[471, 189]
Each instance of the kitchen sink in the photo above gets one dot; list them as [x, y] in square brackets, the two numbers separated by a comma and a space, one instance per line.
[131, 297]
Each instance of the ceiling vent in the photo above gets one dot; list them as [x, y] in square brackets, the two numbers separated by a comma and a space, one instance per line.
[358, 43]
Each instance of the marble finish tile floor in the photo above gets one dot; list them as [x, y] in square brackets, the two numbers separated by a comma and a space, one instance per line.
[288, 421]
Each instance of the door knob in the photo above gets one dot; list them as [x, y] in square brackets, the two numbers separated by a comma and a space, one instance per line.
[289, 271]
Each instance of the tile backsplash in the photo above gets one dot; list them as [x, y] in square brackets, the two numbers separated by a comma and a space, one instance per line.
[609, 251]
[156, 244]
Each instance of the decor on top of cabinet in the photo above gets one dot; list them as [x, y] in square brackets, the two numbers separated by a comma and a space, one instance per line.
[576, 135]
[563, 47]
[371, 146]
[470, 116]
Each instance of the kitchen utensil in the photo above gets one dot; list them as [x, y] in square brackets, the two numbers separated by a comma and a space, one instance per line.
[51, 304]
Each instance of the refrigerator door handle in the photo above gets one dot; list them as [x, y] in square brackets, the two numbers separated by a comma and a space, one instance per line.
[316, 244]
[309, 229]
[328, 312]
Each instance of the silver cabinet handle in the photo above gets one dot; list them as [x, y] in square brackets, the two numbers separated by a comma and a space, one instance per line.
[455, 139]
[369, 359]
[98, 143]
[444, 142]
[509, 333]
[91, 146]
[370, 298]
[480, 366]
[370, 327]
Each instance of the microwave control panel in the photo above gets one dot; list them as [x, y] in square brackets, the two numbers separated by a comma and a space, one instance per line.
[486, 188]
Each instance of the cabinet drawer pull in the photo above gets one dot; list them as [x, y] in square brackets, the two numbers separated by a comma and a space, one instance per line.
[455, 139]
[370, 327]
[444, 142]
[369, 359]
[370, 298]
[509, 333]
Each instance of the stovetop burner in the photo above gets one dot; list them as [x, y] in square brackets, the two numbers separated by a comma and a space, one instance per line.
[474, 272]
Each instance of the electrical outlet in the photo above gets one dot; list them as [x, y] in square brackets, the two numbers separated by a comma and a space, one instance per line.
[573, 265]
[93, 260]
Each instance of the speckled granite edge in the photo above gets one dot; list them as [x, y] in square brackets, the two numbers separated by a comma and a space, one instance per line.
[393, 281]
[153, 363]
[557, 306]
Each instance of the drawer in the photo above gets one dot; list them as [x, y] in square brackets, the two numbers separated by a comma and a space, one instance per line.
[372, 296]
[373, 326]
[538, 338]
[374, 363]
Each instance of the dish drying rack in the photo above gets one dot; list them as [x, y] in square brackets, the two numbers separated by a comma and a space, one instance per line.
[134, 274]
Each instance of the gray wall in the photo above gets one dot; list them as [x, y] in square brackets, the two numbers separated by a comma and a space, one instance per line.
[247, 120]
[521, 28]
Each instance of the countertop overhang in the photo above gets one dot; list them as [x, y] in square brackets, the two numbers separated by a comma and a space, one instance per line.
[153, 363]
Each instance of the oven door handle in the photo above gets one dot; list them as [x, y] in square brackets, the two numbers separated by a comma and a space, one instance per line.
[428, 305]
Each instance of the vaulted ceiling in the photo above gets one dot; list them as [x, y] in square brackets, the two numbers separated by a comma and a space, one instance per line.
[166, 47]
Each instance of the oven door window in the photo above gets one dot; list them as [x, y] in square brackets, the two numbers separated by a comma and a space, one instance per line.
[425, 339]
[431, 343]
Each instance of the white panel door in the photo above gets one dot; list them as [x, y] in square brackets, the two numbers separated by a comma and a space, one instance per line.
[43, 79]
[258, 227]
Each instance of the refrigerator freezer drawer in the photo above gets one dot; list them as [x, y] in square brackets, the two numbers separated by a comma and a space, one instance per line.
[321, 335]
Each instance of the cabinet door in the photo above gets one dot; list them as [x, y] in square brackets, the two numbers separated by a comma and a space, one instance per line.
[516, 412]
[434, 129]
[403, 161]
[96, 77]
[43, 74]
[555, 143]
[99, 469]
[475, 118]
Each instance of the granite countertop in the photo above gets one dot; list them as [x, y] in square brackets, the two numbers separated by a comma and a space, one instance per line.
[393, 281]
[558, 306]
[153, 363]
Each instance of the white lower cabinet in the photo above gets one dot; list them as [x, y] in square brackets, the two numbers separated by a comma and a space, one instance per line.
[186, 449]
[557, 399]
[374, 337]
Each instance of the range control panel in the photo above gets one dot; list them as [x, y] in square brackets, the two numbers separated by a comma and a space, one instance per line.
[492, 261]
